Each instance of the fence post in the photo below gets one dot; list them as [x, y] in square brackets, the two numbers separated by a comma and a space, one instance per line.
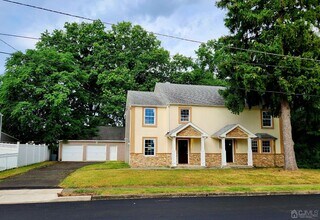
[42, 152]
[27, 151]
[34, 153]
[6, 167]
[19, 152]
[39, 153]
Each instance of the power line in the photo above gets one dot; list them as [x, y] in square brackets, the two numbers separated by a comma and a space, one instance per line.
[271, 65]
[2, 52]
[266, 91]
[273, 54]
[91, 19]
[155, 33]
[278, 92]
[8, 44]
[20, 36]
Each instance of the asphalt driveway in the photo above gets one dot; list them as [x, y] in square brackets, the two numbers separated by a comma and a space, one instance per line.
[42, 178]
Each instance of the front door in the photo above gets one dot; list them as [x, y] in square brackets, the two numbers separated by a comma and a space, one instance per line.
[183, 151]
[229, 150]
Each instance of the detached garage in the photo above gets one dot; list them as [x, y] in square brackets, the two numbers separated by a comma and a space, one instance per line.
[107, 146]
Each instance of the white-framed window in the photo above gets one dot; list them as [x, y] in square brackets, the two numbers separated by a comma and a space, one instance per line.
[184, 115]
[254, 146]
[266, 146]
[149, 146]
[150, 116]
[266, 119]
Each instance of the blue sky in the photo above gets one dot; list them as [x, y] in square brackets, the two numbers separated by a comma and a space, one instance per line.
[194, 19]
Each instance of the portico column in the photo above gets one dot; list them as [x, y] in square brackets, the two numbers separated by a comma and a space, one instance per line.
[250, 163]
[174, 153]
[203, 153]
[223, 152]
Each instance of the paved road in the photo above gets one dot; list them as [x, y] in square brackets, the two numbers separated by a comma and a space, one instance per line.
[42, 178]
[255, 207]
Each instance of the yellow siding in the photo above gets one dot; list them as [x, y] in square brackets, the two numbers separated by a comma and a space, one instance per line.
[159, 131]
[212, 119]
[209, 119]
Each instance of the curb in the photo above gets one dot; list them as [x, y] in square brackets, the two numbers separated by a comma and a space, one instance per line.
[184, 195]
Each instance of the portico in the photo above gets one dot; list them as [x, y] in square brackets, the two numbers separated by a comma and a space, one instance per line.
[181, 138]
[229, 136]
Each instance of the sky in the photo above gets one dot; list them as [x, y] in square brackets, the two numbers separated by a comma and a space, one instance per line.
[199, 20]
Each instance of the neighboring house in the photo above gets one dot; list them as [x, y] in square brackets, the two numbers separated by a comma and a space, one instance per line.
[190, 125]
[108, 145]
[6, 138]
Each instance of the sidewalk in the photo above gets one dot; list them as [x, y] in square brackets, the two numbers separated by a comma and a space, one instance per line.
[36, 196]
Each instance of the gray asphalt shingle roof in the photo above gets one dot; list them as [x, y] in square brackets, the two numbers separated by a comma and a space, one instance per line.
[109, 133]
[144, 98]
[223, 130]
[169, 133]
[265, 136]
[167, 93]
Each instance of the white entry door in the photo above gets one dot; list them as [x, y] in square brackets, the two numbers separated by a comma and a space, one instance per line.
[113, 153]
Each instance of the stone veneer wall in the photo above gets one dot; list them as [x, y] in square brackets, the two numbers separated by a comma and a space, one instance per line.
[194, 159]
[159, 160]
[212, 160]
[268, 160]
[240, 159]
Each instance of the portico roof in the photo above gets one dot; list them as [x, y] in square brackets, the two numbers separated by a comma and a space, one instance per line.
[187, 130]
[233, 131]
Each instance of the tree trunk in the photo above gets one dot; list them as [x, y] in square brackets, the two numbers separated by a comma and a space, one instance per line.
[289, 155]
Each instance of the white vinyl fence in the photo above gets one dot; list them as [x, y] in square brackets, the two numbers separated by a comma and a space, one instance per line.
[17, 155]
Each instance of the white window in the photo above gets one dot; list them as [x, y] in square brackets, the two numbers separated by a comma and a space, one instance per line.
[149, 116]
[266, 146]
[185, 115]
[149, 146]
[254, 146]
[266, 119]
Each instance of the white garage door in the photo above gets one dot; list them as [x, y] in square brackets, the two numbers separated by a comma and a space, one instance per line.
[72, 153]
[96, 153]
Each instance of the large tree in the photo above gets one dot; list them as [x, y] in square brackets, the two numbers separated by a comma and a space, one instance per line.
[126, 57]
[77, 78]
[287, 74]
[42, 97]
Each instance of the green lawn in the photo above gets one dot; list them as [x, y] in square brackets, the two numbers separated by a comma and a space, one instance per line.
[16, 171]
[114, 178]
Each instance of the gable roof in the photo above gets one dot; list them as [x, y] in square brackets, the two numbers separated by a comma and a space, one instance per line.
[144, 98]
[175, 131]
[109, 133]
[6, 138]
[222, 133]
[265, 136]
[167, 93]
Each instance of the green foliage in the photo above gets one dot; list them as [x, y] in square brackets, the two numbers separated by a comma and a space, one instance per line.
[78, 78]
[306, 134]
[42, 98]
[291, 29]
[283, 27]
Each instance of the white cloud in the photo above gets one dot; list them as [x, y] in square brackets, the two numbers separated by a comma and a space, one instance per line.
[198, 20]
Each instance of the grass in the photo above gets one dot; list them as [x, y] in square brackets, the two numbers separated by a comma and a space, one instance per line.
[114, 178]
[16, 171]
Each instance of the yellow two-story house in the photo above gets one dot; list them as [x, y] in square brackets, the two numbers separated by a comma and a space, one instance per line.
[189, 125]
